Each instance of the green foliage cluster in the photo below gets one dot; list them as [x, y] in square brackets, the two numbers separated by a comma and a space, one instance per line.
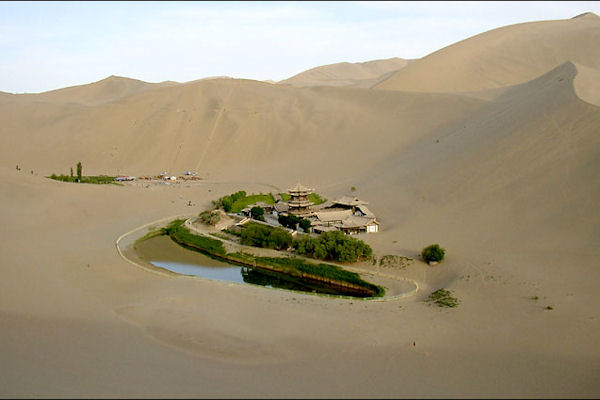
[258, 213]
[98, 179]
[285, 196]
[316, 199]
[226, 202]
[305, 224]
[443, 298]
[152, 233]
[183, 236]
[260, 235]
[290, 221]
[328, 271]
[209, 217]
[433, 253]
[242, 203]
[232, 232]
[243, 257]
[290, 266]
[335, 246]
[237, 201]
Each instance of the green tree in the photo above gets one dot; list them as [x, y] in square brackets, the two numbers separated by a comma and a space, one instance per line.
[264, 236]
[433, 252]
[258, 213]
[289, 221]
[305, 224]
[333, 245]
[71, 172]
[79, 171]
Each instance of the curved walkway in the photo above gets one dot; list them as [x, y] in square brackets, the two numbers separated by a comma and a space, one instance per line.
[249, 249]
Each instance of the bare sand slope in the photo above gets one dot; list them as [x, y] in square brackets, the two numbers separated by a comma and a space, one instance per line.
[504, 56]
[103, 91]
[364, 74]
[220, 127]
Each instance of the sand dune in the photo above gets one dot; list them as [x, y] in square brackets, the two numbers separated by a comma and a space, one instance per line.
[504, 175]
[103, 91]
[202, 125]
[364, 75]
[504, 56]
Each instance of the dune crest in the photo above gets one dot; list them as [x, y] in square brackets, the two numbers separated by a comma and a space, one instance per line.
[502, 57]
[103, 91]
[587, 84]
[362, 74]
[586, 15]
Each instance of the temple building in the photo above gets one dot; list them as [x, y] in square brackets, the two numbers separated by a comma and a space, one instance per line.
[347, 214]
[299, 204]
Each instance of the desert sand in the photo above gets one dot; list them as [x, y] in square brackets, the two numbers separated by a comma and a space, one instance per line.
[501, 169]
[361, 74]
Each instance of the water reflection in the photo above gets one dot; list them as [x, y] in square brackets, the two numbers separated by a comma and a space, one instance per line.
[162, 252]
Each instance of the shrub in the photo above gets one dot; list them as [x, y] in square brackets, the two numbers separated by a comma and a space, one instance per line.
[239, 200]
[328, 271]
[265, 236]
[433, 253]
[258, 213]
[209, 217]
[305, 224]
[334, 246]
[183, 236]
[443, 298]
[289, 221]
[226, 202]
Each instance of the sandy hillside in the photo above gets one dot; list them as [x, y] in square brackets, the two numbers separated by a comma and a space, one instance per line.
[504, 56]
[205, 125]
[505, 178]
[364, 74]
[103, 91]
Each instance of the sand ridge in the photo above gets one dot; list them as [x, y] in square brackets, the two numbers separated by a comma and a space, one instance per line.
[504, 56]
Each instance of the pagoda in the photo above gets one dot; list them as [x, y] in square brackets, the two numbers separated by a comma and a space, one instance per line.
[299, 203]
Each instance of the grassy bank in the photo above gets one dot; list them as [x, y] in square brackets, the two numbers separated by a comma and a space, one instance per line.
[326, 274]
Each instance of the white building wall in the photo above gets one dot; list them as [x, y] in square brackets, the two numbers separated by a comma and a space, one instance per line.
[372, 228]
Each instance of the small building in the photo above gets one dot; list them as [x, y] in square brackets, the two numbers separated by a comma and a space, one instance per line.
[265, 206]
[355, 224]
[280, 207]
[348, 214]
